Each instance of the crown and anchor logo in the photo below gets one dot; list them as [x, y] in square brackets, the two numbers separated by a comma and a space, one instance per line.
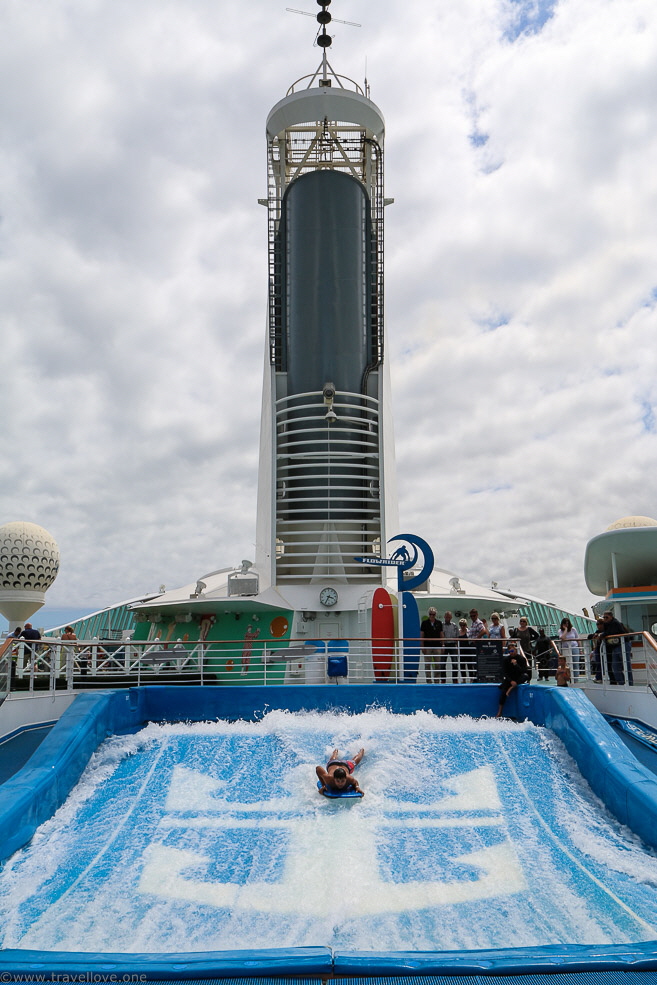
[306, 884]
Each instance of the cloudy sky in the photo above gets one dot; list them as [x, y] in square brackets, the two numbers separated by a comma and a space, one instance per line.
[521, 276]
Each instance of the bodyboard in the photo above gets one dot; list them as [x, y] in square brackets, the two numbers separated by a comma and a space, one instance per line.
[395, 669]
[347, 793]
[410, 620]
[383, 634]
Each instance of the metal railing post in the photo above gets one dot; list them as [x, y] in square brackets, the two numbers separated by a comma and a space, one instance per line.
[5, 669]
[70, 666]
[650, 649]
[53, 653]
[32, 667]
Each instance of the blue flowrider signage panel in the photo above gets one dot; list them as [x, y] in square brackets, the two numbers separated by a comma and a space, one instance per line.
[413, 552]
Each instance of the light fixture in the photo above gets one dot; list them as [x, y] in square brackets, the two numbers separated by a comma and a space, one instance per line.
[200, 588]
[328, 392]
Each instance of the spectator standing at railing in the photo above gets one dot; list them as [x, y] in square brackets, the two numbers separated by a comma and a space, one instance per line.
[616, 664]
[450, 632]
[476, 631]
[569, 645]
[596, 657]
[497, 630]
[526, 635]
[544, 655]
[68, 634]
[431, 634]
[13, 656]
[30, 635]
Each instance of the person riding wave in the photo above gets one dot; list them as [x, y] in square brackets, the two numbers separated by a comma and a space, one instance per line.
[338, 775]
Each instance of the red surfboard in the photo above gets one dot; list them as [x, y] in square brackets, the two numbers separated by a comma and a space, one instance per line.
[383, 634]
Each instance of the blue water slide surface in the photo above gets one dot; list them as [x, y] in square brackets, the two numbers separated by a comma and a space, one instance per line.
[197, 850]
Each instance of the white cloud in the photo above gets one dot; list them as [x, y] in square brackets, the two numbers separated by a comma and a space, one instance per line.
[520, 276]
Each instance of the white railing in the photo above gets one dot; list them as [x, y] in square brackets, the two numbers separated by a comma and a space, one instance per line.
[5, 669]
[650, 655]
[58, 664]
[630, 662]
[74, 661]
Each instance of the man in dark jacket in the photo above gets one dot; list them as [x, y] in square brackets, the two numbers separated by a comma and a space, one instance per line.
[30, 635]
[612, 631]
[545, 656]
[431, 632]
[516, 671]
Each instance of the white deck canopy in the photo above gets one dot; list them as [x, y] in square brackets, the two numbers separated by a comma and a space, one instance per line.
[325, 103]
[625, 557]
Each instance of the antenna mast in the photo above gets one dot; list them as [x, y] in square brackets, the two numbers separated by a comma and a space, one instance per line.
[323, 39]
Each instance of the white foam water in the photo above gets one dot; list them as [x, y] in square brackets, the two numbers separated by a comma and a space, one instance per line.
[212, 836]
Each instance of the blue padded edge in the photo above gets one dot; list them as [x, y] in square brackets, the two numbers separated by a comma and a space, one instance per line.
[305, 961]
[628, 788]
[527, 960]
[321, 961]
[202, 704]
[33, 794]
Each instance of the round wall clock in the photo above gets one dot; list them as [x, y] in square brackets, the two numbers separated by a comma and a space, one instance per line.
[328, 596]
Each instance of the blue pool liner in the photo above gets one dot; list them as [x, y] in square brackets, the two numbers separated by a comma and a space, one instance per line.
[627, 788]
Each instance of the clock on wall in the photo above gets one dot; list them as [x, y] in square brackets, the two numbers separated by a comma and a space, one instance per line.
[328, 596]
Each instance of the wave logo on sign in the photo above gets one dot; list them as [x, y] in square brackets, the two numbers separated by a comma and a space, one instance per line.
[307, 884]
[405, 559]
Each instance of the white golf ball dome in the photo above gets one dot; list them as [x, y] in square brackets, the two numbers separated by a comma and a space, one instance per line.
[29, 557]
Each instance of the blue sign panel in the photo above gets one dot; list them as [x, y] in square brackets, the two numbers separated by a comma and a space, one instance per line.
[404, 559]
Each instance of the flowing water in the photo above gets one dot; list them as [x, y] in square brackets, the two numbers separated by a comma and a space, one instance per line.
[472, 834]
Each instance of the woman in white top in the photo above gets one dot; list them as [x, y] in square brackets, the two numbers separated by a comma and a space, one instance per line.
[496, 631]
[462, 650]
[569, 646]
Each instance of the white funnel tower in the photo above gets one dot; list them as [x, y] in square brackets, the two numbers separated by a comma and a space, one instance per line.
[326, 484]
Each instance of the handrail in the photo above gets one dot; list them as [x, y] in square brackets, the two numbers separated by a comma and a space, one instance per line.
[316, 75]
[5, 667]
[651, 661]
[77, 664]
[630, 662]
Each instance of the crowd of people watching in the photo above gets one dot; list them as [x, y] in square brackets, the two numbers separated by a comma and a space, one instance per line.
[446, 642]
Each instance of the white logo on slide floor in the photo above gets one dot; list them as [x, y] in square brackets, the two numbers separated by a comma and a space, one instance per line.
[310, 884]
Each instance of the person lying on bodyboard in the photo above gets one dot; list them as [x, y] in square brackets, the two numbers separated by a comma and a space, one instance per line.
[338, 774]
